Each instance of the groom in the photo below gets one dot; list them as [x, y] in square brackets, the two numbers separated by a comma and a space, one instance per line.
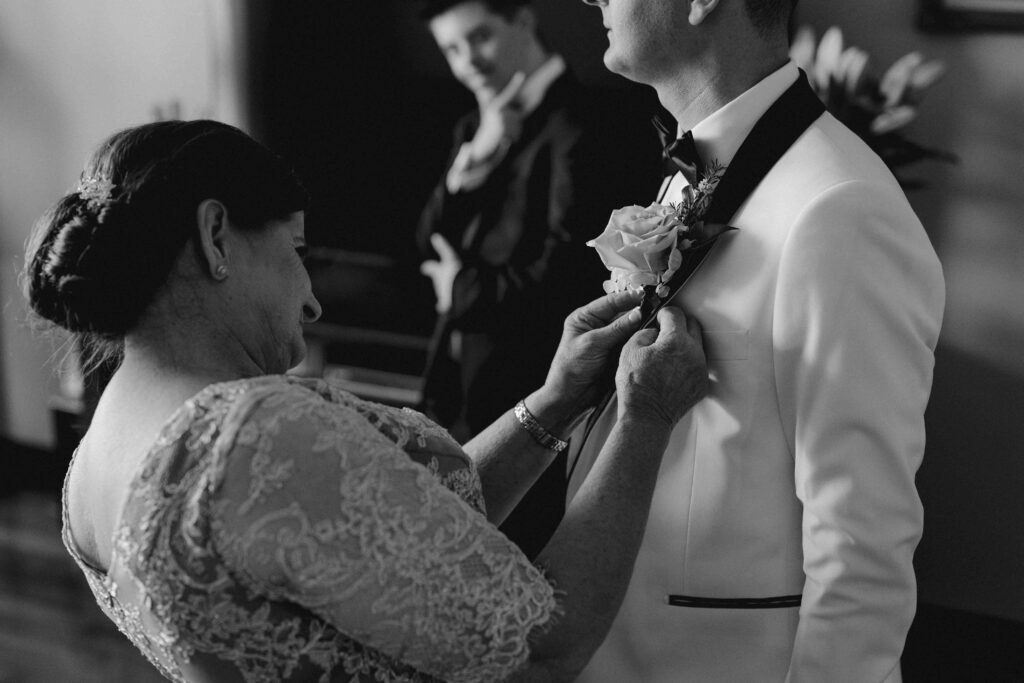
[782, 531]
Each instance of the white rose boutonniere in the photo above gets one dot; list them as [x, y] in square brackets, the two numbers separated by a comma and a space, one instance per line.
[638, 246]
[656, 247]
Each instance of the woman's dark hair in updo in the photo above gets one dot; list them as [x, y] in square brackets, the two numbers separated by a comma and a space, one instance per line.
[98, 257]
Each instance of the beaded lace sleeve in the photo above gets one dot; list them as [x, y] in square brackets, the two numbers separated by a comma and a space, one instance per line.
[315, 506]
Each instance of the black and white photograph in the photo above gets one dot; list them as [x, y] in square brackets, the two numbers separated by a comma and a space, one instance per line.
[511, 341]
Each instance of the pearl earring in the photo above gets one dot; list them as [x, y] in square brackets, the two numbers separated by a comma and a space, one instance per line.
[220, 272]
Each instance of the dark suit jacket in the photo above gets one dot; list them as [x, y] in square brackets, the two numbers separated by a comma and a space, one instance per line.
[521, 239]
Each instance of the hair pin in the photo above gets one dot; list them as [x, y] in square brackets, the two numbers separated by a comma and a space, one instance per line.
[96, 191]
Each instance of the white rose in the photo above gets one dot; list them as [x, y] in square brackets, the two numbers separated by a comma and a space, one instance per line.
[637, 244]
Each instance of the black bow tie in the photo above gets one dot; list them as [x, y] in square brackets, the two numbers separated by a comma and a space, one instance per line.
[679, 154]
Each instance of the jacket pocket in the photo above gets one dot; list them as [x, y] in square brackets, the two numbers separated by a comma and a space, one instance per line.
[726, 345]
[775, 602]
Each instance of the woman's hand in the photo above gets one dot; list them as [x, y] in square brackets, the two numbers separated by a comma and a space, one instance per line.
[662, 371]
[582, 368]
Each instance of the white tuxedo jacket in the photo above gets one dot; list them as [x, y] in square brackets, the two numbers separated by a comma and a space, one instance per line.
[795, 476]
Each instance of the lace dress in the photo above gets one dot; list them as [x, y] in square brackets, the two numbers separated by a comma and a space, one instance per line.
[282, 529]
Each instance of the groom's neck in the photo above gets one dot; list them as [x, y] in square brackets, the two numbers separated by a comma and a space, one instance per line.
[697, 90]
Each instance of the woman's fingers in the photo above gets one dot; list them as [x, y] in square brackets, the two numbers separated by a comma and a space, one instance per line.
[670, 321]
[599, 312]
[644, 337]
[679, 329]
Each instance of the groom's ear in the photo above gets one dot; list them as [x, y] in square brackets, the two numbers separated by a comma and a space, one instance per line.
[700, 9]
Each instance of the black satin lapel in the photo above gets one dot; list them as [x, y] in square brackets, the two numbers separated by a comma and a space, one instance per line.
[773, 134]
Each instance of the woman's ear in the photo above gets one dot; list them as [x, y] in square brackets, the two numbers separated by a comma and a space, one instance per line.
[700, 9]
[212, 222]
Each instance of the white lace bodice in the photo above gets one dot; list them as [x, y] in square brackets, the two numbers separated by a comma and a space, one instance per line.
[281, 529]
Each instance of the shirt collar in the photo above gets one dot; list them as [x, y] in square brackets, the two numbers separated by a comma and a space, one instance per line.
[720, 135]
[537, 83]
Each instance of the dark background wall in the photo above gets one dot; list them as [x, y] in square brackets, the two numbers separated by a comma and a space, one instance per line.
[333, 88]
[359, 96]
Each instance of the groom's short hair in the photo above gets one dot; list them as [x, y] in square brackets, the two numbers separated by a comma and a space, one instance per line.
[769, 16]
[505, 8]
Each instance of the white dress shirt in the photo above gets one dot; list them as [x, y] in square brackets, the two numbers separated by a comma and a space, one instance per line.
[720, 135]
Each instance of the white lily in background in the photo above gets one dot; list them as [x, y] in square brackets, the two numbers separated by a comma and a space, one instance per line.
[828, 64]
[908, 78]
[876, 109]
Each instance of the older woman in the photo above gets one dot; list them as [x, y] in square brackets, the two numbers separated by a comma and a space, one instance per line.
[239, 524]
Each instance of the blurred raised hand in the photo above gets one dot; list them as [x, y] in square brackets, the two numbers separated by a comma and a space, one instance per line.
[442, 272]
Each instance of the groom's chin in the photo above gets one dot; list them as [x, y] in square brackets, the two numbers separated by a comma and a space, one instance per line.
[612, 62]
[618, 66]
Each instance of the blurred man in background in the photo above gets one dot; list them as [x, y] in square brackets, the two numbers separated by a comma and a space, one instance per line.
[505, 229]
